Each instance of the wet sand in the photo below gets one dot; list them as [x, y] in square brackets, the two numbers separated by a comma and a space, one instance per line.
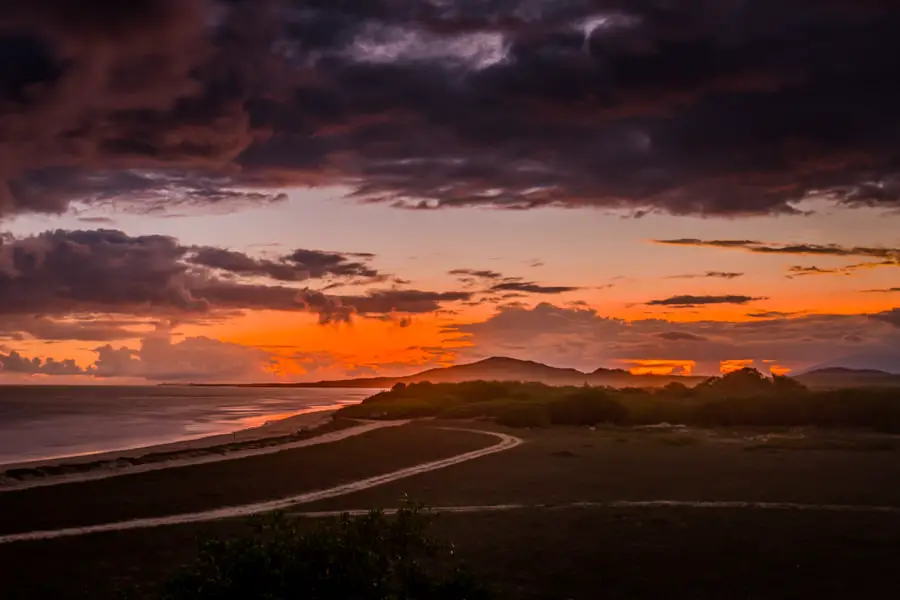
[309, 428]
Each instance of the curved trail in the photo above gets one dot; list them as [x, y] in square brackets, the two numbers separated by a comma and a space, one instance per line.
[325, 438]
[506, 442]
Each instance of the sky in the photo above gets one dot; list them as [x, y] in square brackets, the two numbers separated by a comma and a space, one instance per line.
[297, 190]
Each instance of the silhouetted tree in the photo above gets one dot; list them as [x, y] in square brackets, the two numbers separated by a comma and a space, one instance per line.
[740, 383]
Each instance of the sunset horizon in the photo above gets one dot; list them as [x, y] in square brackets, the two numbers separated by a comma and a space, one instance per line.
[206, 191]
[378, 312]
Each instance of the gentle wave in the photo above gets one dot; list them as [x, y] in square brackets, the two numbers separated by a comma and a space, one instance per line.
[43, 423]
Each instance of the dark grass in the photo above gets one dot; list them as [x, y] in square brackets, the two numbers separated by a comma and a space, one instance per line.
[229, 483]
[560, 465]
[590, 554]
[75, 465]
[101, 566]
[577, 553]
[679, 553]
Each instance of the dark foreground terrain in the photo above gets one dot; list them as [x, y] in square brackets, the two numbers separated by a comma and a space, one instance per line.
[578, 553]
[552, 549]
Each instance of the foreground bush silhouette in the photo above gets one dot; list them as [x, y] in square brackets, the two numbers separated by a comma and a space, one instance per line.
[742, 383]
[370, 557]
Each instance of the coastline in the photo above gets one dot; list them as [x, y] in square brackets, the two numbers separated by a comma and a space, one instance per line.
[281, 428]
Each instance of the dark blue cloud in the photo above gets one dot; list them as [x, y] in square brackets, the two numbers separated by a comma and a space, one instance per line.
[690, 107]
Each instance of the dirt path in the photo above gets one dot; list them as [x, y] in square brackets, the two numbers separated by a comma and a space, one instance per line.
[326, 438]
[506, 442]
[855, 508]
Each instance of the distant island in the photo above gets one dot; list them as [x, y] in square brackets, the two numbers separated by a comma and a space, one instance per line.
[497, 368]
[846, 377]
[501, 368]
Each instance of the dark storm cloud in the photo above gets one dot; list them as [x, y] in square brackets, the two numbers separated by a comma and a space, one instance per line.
[801, 271]
[500, 283]
[690, 107]
[108, 85]
[97, 220]
[106, 271]
[85, 271]
[688, 300]
[297, 266]
[16, 363]
[892, 316]
[771, 314]
[340, 309]
[890, 255]
[476, 274]
[530, 287]
[708, 275]
[680, 336]
[18, 327]
[408, 301]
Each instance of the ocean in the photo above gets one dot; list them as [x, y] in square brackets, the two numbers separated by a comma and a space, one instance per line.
[40, 423]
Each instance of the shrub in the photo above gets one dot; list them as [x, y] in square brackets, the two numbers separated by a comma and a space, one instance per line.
[742, 398]
[399, 408]
[533, 415]
[587, 407]
[369, 557]
[482, 391]
[782, 384]
[675, 389]
[744, 383]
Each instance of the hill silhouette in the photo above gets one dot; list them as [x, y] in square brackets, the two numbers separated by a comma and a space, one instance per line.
[503, 368]
[847, 371]
[847, 377]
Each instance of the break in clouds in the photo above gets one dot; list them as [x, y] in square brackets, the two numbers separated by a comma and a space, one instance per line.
[697, 107]
[59, 273]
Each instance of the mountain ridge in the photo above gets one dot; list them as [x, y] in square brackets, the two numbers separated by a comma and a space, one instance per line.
[500, 368]
[847, 371]
[504, 368]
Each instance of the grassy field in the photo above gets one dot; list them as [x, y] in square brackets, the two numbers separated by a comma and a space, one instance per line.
[554, 553]
[233, 482]
[678, 553]
[559, 465]
[578, 554]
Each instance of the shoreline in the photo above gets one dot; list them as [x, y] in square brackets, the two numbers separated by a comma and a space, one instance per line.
[306, 420]
[506, 442]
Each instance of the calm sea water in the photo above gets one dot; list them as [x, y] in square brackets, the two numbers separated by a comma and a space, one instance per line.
[39, 423]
